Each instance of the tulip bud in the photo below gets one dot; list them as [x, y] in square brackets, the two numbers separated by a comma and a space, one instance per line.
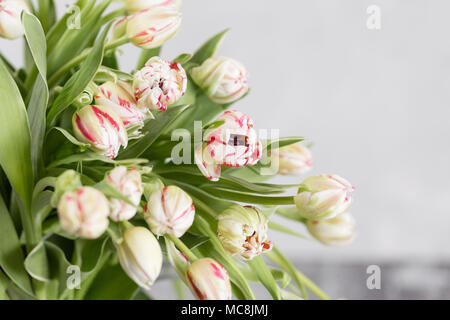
[159, 83]
[169, 210]
[119, 98]
[128, 183]
[323, 196]
[140, 256]
[101, 128]
[84, 212]
[335, 231]
[208, 280]
[10, 22]
[133, 6]
[150, 28]
[223, 79]
[295, 159]
[232, 144]
[69, 180]
[243, 231]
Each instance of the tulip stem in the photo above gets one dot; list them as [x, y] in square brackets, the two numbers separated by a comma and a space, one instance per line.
[182, 247]
[83, 55]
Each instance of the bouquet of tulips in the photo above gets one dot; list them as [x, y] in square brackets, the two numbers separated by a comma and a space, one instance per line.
[108, 176]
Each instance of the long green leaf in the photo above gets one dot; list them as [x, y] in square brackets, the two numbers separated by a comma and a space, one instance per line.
[15, 138]
[79, 81]
[37, 105]
[11, 255]
[209, 48]
[264, 274]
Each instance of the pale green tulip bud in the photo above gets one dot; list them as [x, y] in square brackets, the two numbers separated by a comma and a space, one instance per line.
[128, 183]
[140, 256]
[150, 28]
[133, 6]
[67, 181]
[223, 79]
[10, 23]
[209, 280]
[323, 196]
[100, 127]
[295, 159]
[84, 212]
[243, 231]
[336, 231]
[169, 211]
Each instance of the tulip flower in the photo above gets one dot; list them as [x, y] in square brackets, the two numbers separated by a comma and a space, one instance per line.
[295, 159]
[323, 196]
[169, 211]
[119, 98]
[232, 144]
[10, 23]
[100, 127]
[223, 79]
[159, 83]
[133, 6]
[128, 183]
[243, 231]
[151, 27]
[208, 280]
[140, 256]
[84, 212]
[336, 231]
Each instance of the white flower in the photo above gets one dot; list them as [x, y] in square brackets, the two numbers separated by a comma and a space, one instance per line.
[336, 231]
[223, 79]
[243, 231]
[233, 143]
[119, 98]
[150, 28]
[140, 256]
[209, 280]
[10, 23]
[323, 196]
[128, 183]
[139, 5]
[169, 211]
[295, 159]
[84, 212]
[159, 83]
[100, 127]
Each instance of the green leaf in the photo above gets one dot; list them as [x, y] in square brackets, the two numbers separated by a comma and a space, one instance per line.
[183, 58]
[248, 197]
[278, 227]
[108, 74]
[37, 105]
[11, 255]
[15, 138]
[209, 48]
[36, 263]
[151, 131]
[92, 156]
[147, 54]
[263, 273]
[178, 262]
[79, 81]
[71, 138]
[282, 142]
[4, 284]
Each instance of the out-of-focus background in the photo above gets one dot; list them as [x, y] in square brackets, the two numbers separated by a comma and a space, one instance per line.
[376, 105]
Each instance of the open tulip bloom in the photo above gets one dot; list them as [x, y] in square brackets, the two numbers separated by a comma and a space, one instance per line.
[91, 173]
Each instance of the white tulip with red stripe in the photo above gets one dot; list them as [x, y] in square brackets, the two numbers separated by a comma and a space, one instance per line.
[84, 212]
[223, 79]
[295, 159]
[169, 211]
[209, 280]
[159, 83]
[128, 183]
[323, 196]
[10, 22]
[140, 256]
[118, 96]
[133, 6]
[150, 28]
[100, 127]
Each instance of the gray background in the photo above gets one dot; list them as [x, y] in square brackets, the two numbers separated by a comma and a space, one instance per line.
[375, 103]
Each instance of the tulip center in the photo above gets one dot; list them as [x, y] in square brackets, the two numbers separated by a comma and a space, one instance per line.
[238, 140]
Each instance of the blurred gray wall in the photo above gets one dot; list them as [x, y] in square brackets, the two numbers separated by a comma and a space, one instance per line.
[375, 103]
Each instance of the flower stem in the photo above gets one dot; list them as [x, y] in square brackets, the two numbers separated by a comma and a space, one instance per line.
[80, 58]
[181, 246]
